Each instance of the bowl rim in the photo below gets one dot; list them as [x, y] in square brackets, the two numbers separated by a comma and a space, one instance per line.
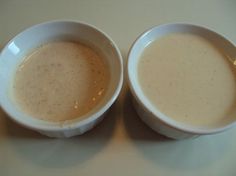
[162, 117]
[50, 126]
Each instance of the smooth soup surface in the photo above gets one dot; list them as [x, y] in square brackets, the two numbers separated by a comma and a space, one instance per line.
[187, 78]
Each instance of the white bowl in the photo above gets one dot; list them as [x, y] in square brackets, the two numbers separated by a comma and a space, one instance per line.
[13, 54]
[150, 114]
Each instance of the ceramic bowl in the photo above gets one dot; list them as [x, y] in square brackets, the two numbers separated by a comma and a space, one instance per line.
[151, 115]
[15, 50]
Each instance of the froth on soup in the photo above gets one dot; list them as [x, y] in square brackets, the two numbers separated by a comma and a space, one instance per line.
[60, 81]
[189, 79]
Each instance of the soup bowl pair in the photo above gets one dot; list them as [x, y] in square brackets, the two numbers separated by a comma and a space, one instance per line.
[13, 54]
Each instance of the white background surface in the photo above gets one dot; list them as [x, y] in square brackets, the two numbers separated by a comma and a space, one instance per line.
[121, 144]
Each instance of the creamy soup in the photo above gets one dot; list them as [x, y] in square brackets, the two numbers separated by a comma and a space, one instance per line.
[188, 79]
[61, 81]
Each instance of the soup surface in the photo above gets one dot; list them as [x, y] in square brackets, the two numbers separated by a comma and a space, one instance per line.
[187, 78]
[61, 81]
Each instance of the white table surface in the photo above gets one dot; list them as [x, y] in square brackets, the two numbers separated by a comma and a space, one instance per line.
[121, 144]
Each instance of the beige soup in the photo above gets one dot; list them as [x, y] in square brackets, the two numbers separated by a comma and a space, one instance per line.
[61, 81]
[187, 78]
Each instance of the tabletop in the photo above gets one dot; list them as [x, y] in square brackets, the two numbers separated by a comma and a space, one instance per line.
[121, 144]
